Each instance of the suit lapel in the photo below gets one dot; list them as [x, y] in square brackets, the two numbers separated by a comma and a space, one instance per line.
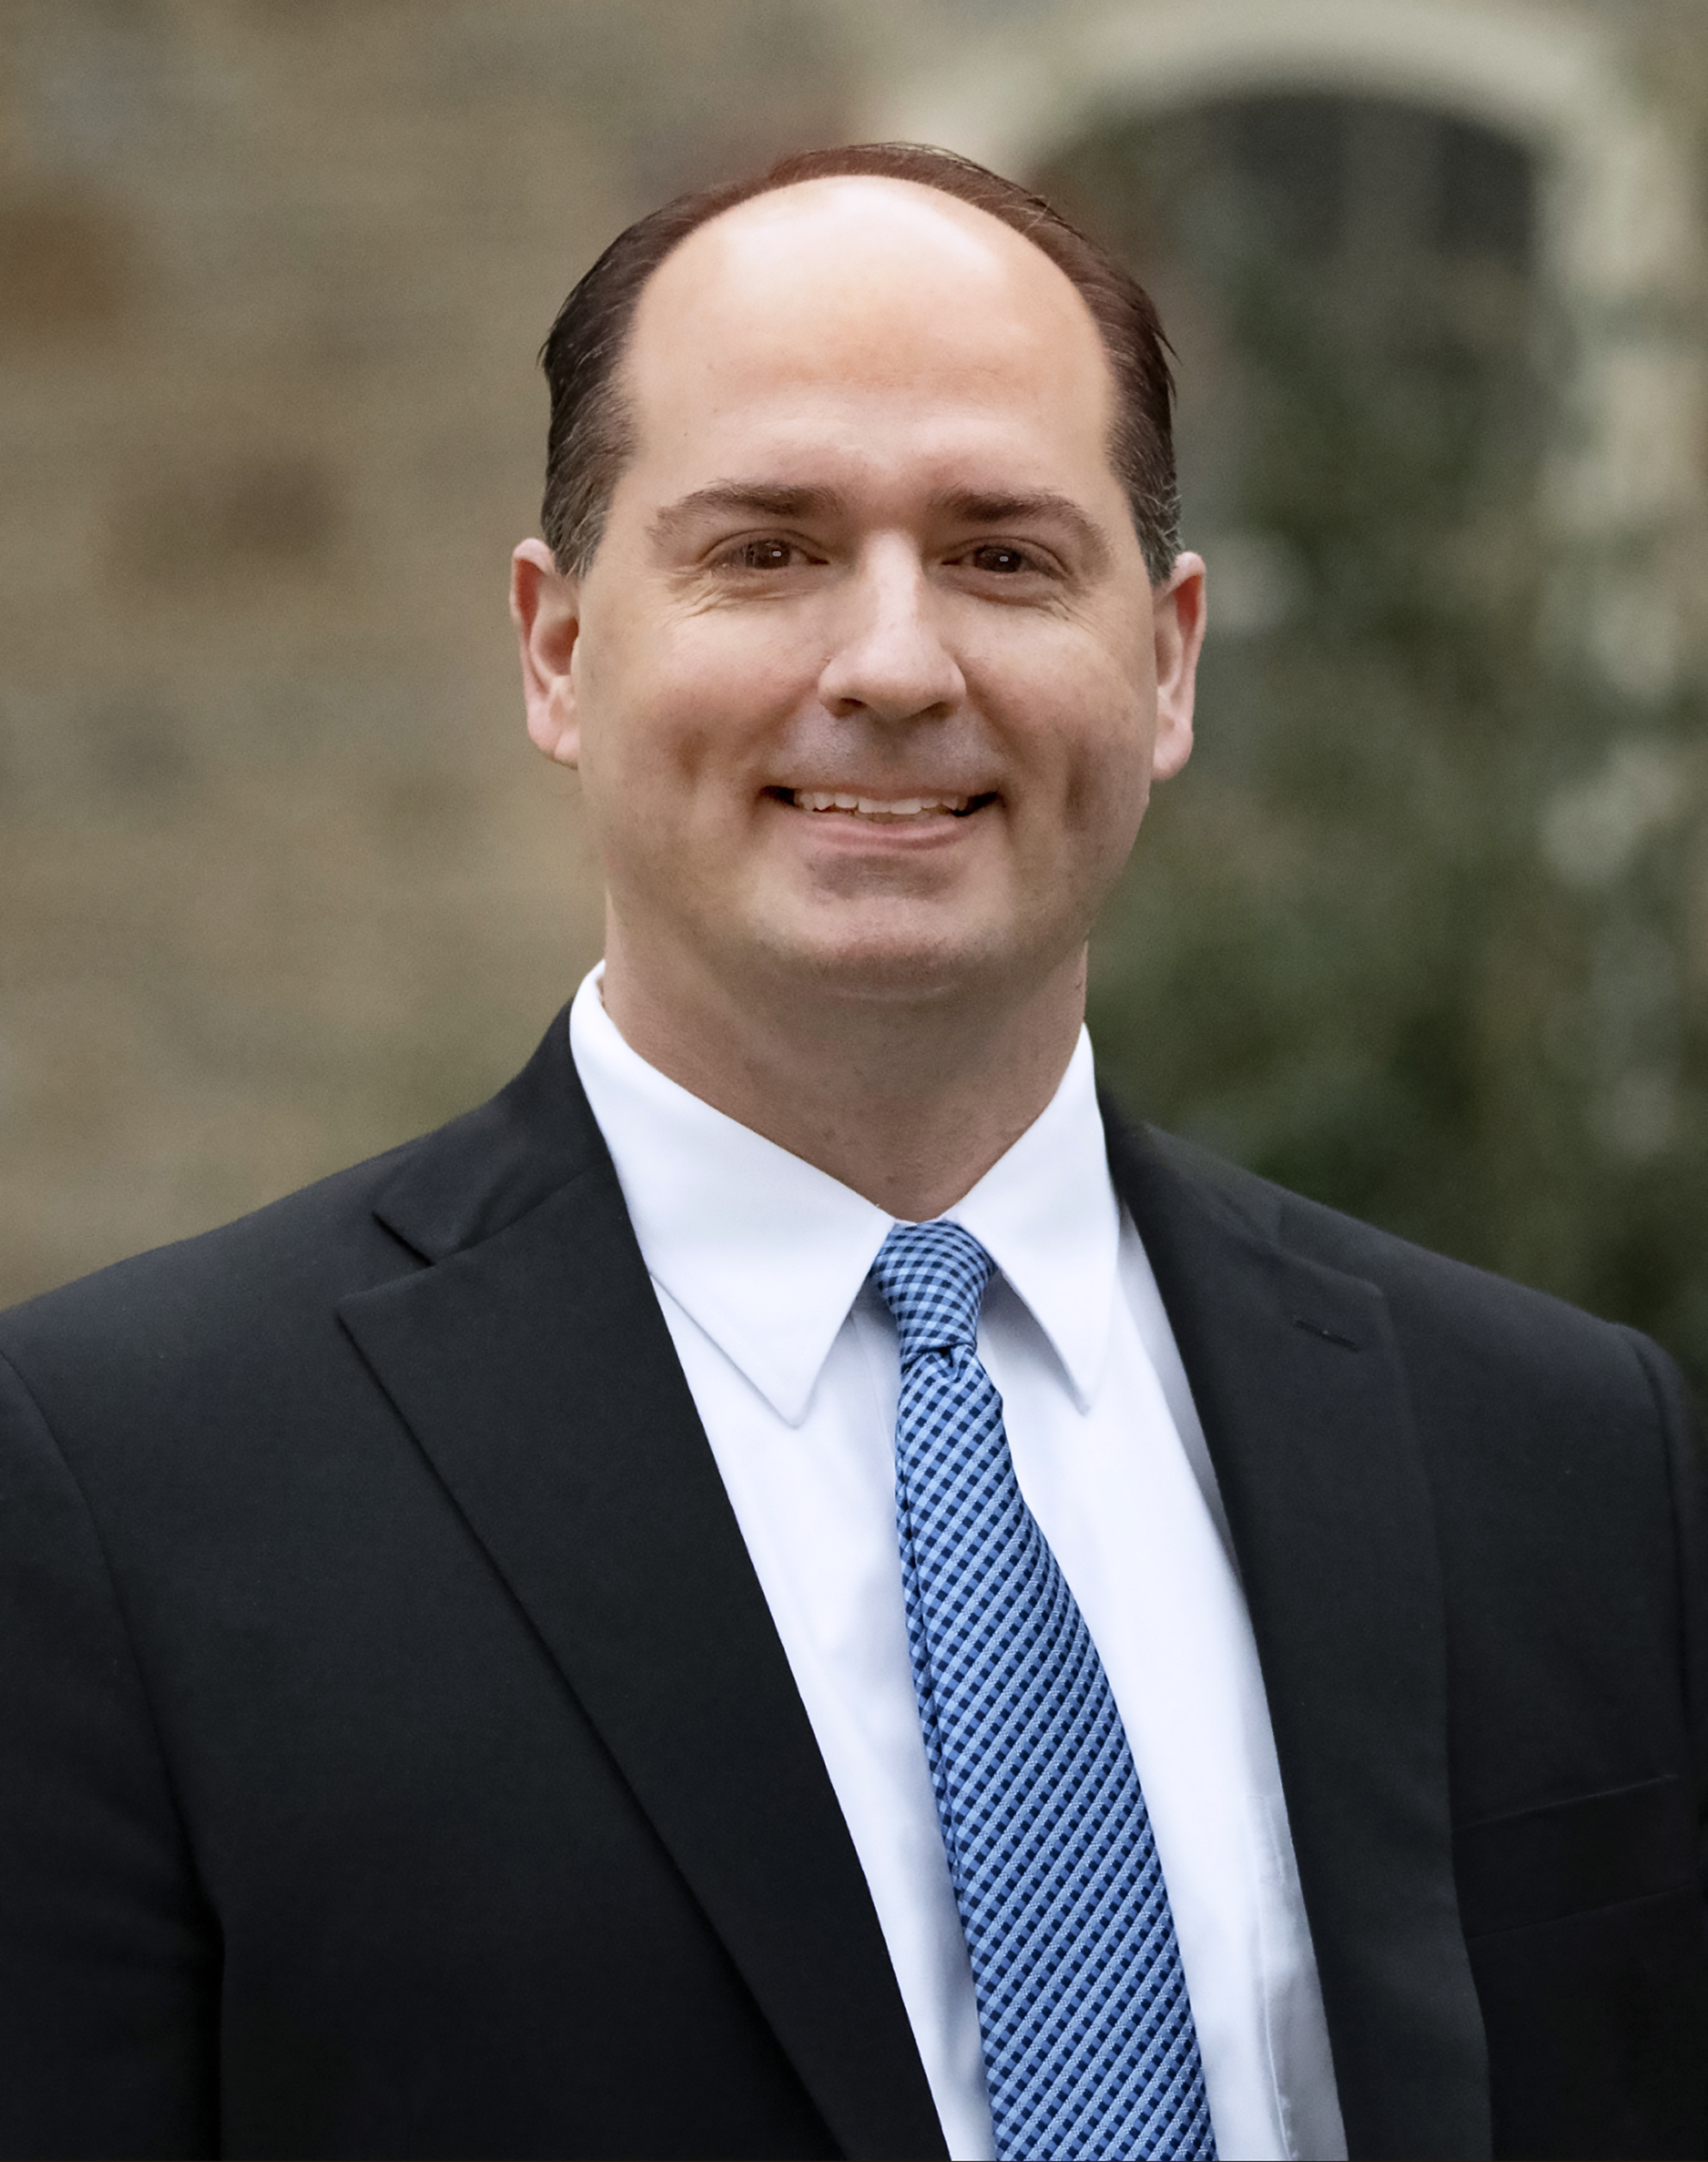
[1297, 1378]
[533, 1366]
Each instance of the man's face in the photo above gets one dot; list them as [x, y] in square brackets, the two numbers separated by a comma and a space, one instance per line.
[863, 680]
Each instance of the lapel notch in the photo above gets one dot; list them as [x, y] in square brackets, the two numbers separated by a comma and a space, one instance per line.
[532, 1365]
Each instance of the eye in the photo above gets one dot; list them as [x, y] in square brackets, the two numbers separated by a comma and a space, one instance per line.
[1000, 558]
[769, 553]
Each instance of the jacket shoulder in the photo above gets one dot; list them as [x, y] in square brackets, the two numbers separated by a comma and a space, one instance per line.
[317, 1244]
[362, 1226]
[1447, 1309]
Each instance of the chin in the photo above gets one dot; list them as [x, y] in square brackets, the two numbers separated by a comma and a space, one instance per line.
[889, 963]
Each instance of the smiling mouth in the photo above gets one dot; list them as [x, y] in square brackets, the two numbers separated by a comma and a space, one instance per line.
[889, 809]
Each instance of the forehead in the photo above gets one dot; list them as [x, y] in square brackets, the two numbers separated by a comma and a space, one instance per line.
[813, 301]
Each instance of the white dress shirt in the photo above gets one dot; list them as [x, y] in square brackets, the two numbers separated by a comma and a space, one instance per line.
[759, 1261]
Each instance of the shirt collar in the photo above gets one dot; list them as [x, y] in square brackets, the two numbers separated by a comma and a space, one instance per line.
[1047, 1213]
[767, 1253]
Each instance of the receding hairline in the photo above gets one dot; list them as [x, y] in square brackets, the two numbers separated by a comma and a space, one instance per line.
[952, 210]
[620, 387]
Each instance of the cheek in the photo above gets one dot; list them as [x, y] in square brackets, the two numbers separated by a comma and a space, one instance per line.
[1110, 783]
[1077, 700]
[643, 730]
[1092, 748]
[694, 703]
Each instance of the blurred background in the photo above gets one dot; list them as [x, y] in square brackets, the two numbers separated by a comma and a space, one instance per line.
[1422, 931]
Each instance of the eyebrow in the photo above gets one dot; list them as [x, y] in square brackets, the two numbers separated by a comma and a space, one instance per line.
[979, 507]
[965, 506]
[753, 499]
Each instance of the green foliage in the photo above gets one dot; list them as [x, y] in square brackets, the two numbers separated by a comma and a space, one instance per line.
[1363, 947]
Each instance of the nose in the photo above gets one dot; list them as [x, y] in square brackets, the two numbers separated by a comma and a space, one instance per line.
[889, 659]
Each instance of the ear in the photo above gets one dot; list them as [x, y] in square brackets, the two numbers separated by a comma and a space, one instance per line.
[546, 609]
[1177, 608]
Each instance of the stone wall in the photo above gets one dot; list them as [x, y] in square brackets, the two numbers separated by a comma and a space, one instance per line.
[280, 880]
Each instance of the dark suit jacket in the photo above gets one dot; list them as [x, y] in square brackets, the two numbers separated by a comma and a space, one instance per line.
[397, 1756]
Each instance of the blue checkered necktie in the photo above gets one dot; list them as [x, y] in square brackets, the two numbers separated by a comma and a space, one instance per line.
[1089, 2046]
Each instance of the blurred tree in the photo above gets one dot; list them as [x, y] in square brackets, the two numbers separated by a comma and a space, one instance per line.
[1408, 937]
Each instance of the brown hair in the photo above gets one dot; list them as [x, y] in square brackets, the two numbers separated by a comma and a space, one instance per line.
[591, 435]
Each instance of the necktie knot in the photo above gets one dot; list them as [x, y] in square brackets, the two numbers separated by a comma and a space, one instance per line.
[933, 1277]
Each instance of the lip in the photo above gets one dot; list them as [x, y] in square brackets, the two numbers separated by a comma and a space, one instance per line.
[851, 808]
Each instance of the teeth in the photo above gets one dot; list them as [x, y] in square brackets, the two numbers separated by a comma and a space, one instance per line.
[872, 806]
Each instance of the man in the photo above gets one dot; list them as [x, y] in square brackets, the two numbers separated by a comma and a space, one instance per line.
[784, 1588]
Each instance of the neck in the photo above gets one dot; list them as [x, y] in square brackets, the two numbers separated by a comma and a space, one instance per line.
[909, 1103]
